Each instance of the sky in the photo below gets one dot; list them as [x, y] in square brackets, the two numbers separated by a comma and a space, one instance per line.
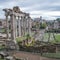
[48, 9]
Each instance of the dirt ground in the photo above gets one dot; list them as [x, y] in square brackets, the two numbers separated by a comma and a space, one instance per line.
[31, 56]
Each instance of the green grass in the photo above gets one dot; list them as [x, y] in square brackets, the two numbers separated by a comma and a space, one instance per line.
[1, 59]
[26, 36]
[2, 30]
[2, 48]
[57, 37]
[52, 55]
[19, 39]
[46, 36]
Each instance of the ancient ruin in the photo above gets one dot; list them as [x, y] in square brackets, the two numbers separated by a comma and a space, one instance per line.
[20, 23]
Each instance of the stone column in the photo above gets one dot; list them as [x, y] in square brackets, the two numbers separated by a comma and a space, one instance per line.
[13, 37]
[25, 25]
[16, 27]
[7, 27]
[19, 26]
[29, 25]
[22, 27]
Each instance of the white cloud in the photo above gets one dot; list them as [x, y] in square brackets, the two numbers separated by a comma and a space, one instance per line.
[53, 13]
[46, 14]
[36, 8]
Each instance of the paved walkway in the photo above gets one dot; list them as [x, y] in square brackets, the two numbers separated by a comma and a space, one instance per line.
[31, 56]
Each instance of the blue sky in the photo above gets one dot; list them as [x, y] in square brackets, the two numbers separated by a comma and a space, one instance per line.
[48, 9]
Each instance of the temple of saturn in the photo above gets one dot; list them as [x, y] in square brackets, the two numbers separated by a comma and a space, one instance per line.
[20, 23]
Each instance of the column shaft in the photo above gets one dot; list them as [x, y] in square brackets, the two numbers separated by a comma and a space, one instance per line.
[22, 28]
[19, 27]
[16, 27]
[7, 27]
[13, 37]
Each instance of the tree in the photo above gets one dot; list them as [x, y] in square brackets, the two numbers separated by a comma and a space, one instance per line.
[43, 25]
[58, 19]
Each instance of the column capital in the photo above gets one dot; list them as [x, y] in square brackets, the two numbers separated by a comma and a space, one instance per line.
[6, 15]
